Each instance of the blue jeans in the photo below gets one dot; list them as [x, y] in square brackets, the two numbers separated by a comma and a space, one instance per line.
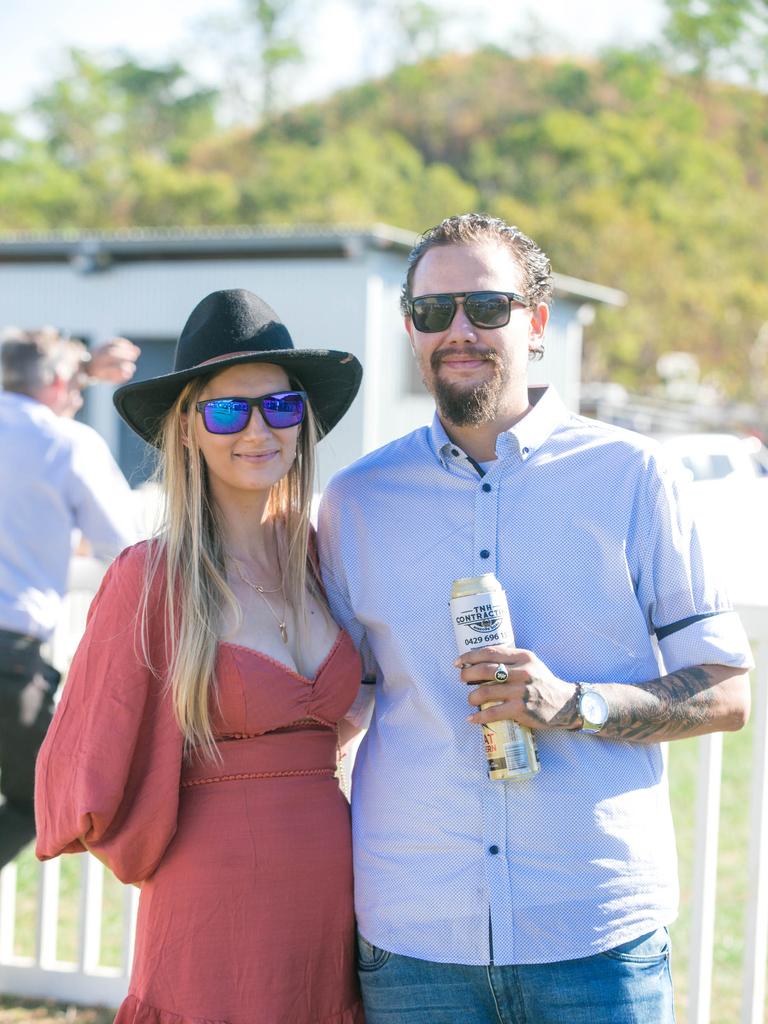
[630, 984]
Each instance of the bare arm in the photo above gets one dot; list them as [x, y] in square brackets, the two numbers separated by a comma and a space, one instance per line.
[114, 361]
[690, 702]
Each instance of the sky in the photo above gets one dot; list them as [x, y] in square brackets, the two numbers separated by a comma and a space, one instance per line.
[35, 34]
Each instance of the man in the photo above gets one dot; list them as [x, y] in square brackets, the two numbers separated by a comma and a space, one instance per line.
[57, 477]
[547, 900]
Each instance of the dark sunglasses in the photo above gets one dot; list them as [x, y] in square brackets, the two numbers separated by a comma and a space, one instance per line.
[431, 313]
[231, 415]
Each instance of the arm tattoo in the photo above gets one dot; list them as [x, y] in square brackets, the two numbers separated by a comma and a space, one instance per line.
[665, 709]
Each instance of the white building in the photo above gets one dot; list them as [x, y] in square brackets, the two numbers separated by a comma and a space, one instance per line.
[333, 288]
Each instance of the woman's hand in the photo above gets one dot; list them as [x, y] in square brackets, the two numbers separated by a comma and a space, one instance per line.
[531, 694]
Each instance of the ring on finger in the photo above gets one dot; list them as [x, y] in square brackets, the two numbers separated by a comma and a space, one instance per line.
[501, 675]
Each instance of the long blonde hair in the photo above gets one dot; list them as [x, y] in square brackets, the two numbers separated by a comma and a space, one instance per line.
[188, 552]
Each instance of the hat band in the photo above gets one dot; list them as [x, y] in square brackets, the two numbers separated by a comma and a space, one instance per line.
[227, 355]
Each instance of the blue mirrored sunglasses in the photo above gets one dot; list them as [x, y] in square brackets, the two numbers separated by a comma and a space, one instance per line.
[231, 415]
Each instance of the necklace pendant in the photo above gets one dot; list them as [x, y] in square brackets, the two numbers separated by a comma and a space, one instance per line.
[283, 633]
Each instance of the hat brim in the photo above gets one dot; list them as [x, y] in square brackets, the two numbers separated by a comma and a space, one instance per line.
[330, 378]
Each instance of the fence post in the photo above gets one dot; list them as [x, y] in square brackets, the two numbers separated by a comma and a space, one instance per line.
[707, 826]
[755, 946]
[7, 911]
[130, 910]
[47, 914]
[92, 884]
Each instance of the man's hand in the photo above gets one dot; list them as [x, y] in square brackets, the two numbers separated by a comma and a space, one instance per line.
[692, 701]
[532, 695]
[114, 361]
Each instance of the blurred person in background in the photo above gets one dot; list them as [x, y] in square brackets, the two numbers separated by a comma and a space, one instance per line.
[58, 481]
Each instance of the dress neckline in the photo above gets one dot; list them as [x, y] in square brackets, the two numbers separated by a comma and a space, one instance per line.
[287, 668]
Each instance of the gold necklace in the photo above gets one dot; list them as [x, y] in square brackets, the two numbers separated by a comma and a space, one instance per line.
[262, 592]
[260, 587]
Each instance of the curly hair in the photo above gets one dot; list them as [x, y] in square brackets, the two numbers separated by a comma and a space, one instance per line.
[471, 228]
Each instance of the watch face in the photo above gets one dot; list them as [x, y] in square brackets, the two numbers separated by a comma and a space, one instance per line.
[594, 708]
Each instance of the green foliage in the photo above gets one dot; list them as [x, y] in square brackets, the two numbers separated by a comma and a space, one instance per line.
[420, 25]
[107, 111]
[350, 177]
[161, 193]
[630, 175]
[627, 174]
[707, 36]
[570, 85]
[37, 192]
[255, 46]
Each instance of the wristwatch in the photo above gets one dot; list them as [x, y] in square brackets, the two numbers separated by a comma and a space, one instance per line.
[593, 708]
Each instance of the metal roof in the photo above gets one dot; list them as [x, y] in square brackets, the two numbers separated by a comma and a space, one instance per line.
[93, 251]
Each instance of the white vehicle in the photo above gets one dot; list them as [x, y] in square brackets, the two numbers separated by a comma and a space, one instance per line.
[729, 488]
[720, 456]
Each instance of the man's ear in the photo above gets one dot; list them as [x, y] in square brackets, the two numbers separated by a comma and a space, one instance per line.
[56, 395]
[538, 323]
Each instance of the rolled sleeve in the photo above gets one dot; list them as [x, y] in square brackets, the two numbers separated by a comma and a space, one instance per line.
[681, 589]
[718, 639]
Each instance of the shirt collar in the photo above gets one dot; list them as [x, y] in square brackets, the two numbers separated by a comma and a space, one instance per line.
[547, 412]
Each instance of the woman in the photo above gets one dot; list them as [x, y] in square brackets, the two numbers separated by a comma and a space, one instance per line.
[194, 747]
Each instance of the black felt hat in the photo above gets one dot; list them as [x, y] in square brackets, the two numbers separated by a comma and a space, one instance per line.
[232, 327]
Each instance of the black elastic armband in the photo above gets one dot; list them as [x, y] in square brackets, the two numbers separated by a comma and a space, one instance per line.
[662, 632]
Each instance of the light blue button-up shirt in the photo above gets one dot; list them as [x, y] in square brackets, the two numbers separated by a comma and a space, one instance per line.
[589, 531]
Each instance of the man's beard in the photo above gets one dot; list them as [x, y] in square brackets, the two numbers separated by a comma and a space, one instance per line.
[473, 405]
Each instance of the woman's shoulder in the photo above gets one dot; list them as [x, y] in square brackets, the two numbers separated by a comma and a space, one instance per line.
[133, 567]
[134, 558]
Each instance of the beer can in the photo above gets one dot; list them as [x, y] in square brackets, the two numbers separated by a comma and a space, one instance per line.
[481, 619]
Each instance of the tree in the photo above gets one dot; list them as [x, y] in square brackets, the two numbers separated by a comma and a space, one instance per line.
[398, 32]
[255, 48]
[628, 174]
[421, 26]
[709, 37]
[351, 176]
[106, 110]
[116, 137]
[36, 193]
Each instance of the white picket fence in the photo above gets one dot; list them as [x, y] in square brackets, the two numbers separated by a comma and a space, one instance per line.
[44, 975]
[87, 981]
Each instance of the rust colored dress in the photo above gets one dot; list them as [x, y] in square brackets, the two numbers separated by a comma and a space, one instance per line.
[245, 914]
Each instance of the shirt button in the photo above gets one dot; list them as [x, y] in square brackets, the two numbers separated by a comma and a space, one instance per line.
[485, 554]
[487, 487]
[526, 451]
[493, 849]
[454, 451]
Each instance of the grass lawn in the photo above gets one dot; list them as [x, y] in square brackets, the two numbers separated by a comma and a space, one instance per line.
[729, 926]
[14, 1011]
[69, 908]
[732, 893]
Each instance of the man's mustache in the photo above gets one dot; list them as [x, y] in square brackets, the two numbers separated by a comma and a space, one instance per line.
[469, 351]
